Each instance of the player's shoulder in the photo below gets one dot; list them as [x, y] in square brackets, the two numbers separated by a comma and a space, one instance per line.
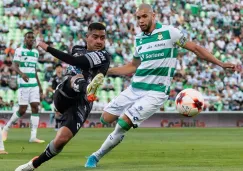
[78, 47]
[169, 27]
[18, 49]
[105, 53]
[139, 35]
[35, 50]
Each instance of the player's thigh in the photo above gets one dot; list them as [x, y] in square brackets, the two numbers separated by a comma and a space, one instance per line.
[34, 94]
[119, 104]
[62, 103]
[22, 109]
[145, 107]
[72, 120]
[34, 107]
[23, 96]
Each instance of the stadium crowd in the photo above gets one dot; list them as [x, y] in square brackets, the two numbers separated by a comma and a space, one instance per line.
[214, 24]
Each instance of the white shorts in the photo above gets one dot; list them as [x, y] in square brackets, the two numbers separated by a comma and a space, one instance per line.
[27, 95]
[137, 104]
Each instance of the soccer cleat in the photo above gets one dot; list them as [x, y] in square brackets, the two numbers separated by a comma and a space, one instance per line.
[27, 167]
[91, 162]
[3, 152]
[36, 140]
[4, 135]
[93, 86]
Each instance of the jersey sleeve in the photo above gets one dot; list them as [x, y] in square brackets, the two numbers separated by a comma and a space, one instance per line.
[76, 49]
[135, 54]
[178, 37]
[98, 58]
[17, 55]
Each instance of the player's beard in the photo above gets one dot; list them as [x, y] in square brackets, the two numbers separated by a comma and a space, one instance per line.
[148, 26]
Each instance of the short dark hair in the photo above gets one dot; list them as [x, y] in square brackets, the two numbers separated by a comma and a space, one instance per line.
[96, 26]
[29, 32]
[58, 65]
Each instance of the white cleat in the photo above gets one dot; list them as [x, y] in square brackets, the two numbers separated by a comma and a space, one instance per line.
[93, 87]
[36, 140]
[26, 167]
[3, 152]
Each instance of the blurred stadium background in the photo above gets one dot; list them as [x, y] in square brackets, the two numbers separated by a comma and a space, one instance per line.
[216, 25]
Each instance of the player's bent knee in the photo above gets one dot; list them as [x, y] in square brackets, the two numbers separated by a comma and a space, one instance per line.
[123, 124]
[103, 121]
[107, 118]
[78, 84]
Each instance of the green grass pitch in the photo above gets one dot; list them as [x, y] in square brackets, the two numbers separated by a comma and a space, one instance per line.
[143, 149]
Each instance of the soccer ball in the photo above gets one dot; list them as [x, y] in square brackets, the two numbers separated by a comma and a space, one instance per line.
[189, 102]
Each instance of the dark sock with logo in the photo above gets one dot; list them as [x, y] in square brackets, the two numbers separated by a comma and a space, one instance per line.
[49, 153]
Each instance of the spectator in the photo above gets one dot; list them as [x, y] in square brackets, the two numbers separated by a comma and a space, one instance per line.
[107, 85]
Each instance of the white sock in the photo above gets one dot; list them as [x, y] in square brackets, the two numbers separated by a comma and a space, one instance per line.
[12, 120]
[111, 142]
[1, 140]
[34, 120]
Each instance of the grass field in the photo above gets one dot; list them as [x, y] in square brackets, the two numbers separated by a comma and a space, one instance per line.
[184, 149]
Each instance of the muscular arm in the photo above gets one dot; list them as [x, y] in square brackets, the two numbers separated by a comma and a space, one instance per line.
[15, 67]
[202, 53]
[38, 81]
[81, 61]
[126, 69]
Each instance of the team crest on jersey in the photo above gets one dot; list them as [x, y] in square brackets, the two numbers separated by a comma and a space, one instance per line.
[160, 36]
[140, 41]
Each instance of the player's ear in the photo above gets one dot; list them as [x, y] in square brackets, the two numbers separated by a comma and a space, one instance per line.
[153, 15]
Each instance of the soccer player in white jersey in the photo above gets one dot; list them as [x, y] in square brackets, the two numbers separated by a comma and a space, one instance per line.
[24, 63]
[154, 64]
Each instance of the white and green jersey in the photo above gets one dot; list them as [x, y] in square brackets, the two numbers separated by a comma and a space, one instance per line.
[27, 60]
[158, 52]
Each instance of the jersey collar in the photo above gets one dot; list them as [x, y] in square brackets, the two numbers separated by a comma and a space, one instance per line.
[157, 26]
[25, 47]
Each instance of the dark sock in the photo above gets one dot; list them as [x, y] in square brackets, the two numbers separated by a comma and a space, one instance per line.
[56, 125]
[50, 152]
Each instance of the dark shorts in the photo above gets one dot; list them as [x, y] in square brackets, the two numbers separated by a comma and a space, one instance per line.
[74, 111]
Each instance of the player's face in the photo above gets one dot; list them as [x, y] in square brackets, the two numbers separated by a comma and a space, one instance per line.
[96, 40]
[59, 69]
[29, 40]
[145, 19]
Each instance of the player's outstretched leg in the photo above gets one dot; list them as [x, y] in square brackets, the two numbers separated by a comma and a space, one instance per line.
[2, 151]
[16, 115]
[111, 141]
[53, 148]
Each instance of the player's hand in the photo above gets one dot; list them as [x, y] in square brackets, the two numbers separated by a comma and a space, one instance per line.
[25, 77]
[41, 93]
[232, 67]
[41, 90]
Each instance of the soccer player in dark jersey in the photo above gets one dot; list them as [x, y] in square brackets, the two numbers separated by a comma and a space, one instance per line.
[56, 80]
[73, 97]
